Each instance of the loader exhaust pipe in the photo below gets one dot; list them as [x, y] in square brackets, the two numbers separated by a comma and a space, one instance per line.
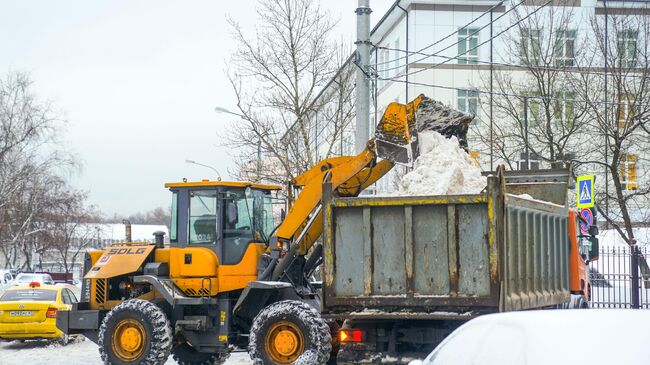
[159, 239]
[127, 229]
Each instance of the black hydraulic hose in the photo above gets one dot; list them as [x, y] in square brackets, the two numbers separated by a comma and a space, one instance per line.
[266, 275]
[314, 258]
[284, 263]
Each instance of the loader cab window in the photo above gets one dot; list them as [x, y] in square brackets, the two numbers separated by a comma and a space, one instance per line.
[173, 231]
[203, 217]
[263, 214]
[237, 224]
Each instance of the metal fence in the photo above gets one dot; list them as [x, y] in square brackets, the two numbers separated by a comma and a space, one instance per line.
[617, 280]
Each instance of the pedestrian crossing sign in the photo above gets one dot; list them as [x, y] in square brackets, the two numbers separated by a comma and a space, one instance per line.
[585, 191]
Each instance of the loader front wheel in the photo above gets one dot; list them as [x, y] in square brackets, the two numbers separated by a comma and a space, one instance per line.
[135, 332]
[289, 332]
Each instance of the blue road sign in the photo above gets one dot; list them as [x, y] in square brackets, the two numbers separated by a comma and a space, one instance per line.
[585, 191]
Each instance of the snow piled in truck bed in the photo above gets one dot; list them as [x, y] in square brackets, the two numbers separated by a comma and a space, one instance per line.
[443, 168]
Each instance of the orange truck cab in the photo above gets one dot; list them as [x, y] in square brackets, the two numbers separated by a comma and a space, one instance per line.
[584, 249]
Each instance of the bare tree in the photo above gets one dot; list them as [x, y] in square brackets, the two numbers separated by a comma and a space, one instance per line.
[69, 227]
[158, 216]
[31, 168]
[536, 106]
[618, 106]
[275, 76]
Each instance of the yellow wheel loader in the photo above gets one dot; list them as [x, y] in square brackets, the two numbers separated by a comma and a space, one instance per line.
[229, 278]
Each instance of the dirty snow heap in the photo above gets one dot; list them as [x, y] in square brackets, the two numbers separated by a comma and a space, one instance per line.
[443, 168]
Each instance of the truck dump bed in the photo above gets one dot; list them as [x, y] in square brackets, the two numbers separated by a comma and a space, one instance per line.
[442, 255]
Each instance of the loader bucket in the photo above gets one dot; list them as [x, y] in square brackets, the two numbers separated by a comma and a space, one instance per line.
[396, 135]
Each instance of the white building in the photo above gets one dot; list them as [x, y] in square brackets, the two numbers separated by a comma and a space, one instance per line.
[455, 50]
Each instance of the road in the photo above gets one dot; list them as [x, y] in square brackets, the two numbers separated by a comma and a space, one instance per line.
[76, 353]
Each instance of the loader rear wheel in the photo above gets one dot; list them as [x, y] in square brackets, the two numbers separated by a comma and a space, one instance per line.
[185, 354]
[289, 332]
[135, 332]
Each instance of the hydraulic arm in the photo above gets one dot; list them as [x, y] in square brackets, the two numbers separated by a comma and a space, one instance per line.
[395, 142]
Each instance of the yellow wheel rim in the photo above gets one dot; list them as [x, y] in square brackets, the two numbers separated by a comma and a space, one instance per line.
[129, 338]
[284, 342]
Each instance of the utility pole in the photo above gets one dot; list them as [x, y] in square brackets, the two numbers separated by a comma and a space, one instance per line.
[526, 132]
[491, 91]
[606, 119]
[363, 82]
[259, 160]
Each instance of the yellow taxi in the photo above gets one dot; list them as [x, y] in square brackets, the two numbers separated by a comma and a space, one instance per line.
[29, 312]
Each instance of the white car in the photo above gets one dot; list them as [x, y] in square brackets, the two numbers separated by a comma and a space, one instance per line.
[6, 278]
[73, 288]
[558, 337]
[26, 278]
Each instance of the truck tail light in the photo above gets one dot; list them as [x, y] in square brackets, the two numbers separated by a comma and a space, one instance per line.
[51, 312]
[351, 335]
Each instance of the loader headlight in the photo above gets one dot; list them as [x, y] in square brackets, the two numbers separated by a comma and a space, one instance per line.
[282, 245]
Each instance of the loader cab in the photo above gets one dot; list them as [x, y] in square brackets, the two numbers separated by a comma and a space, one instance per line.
[222, 216]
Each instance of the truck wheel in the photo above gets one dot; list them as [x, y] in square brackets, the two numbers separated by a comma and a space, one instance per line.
[64, 340]
[289, 332]
[185, 354]
[135, 332]
[581, 303]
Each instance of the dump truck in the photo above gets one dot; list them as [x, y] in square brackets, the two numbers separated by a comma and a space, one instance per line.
[401, 273]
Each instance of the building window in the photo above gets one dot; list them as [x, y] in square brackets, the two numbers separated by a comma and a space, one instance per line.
[468, 103]
[626, 44]
[530, 51]
[627, 171]
[530, 163]
[625, 111]
[565, 48]
[468, 46]
[564, 108]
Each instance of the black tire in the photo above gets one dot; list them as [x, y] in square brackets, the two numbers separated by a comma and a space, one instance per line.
[185, 354]
[157, 343]
[582, 303]
[313, 331]
[336, 341]
[64, 340]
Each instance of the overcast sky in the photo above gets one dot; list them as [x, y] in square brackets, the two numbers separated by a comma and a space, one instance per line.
[138, 82]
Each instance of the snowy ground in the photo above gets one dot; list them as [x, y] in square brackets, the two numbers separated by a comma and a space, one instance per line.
[78, 353]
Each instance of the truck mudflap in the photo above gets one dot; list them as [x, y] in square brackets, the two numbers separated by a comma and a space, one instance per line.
[83, 322]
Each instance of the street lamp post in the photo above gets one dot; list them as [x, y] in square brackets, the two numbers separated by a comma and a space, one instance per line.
[219, 109]
[208, 166]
